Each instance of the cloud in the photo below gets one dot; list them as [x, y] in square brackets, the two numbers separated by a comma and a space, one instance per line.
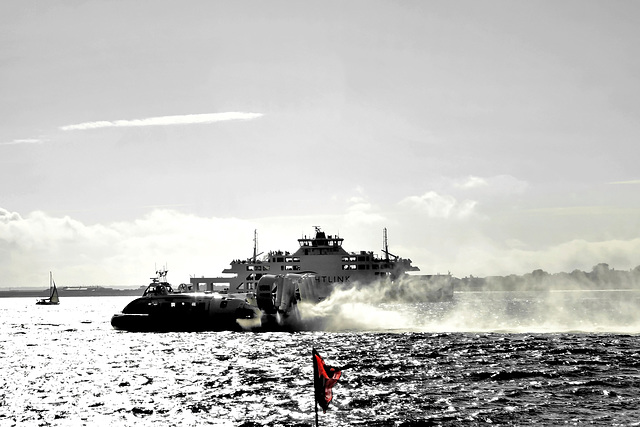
[482, 255]
[440, 206]
[360, 211]
[499, 184]
[23, 141]
[590, 210]
[6, 217]
[632, 182]
[122, 253]
[563, 257]
[127, 252]
[472, 182]
[166, 120]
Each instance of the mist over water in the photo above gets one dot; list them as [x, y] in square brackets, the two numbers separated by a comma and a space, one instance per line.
[586, 311]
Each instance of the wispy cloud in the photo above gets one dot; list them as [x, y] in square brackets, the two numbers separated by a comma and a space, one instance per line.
[499, 184]
[440, 206]
[23, 141]
[472, 182]
[632, 182]
[166, 120]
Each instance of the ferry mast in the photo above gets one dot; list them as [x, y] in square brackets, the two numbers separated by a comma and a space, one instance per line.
[255, 246]
[385, 244]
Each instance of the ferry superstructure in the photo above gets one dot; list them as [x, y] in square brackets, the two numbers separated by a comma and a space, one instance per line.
[320, 254]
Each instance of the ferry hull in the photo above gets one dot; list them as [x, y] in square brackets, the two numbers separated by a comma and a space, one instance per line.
[153, 323]
[184, 313]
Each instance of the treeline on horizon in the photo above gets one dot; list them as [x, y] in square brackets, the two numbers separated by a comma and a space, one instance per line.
[601, 277]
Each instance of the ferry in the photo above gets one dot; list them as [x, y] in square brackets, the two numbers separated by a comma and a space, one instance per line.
[323, 256]
[163, 309]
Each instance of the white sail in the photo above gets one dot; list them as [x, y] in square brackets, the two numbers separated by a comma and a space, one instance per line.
[54, 295]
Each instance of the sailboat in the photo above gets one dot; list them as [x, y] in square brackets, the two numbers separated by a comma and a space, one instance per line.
[53, 294]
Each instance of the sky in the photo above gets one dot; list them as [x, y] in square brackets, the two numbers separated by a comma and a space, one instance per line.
[488, 137]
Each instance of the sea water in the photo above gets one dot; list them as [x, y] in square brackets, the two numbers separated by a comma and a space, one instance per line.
[558, 358]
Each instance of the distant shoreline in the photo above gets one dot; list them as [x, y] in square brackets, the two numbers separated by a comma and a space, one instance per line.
[600, 278]
[92, 291]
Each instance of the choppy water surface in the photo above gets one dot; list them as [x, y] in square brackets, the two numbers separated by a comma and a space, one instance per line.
[505, 359]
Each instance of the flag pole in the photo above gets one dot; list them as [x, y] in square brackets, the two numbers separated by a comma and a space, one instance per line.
[315, 375]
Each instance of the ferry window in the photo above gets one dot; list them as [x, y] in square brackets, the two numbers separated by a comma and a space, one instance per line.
[361, 267]
[296, 267]
[361, 259]
[193, 304]
[280, 259]
[375, 266]
[345, 266]
[352, 258]
[296, 259]
[288, 267]
[250, 268]
[352, 266]
[266, 267]
[173, 304]
[345, 259]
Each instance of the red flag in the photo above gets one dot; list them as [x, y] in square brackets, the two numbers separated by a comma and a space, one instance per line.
[324, 378]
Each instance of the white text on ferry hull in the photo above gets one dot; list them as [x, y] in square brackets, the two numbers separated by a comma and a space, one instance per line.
[332, 279]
